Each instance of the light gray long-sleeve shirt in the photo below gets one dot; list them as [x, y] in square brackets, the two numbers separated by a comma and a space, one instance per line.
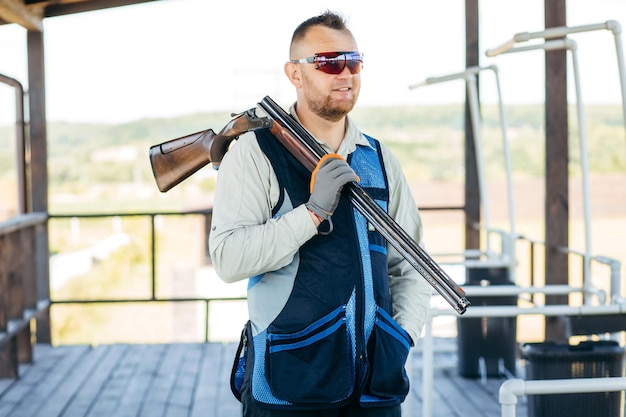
[246, 241]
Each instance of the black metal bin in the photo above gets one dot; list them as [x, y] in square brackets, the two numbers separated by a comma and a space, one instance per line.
[588, 359]
[487, 342]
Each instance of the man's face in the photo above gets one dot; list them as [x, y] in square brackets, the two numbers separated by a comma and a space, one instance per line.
[330, 96]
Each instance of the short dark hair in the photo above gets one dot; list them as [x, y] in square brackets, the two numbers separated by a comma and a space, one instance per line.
[329, 19]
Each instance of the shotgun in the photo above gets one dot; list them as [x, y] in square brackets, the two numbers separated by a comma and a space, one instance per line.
[299, 142]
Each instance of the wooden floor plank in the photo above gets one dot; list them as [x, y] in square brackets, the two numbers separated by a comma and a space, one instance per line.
[193, 380]
[42, 382]
[204, 395]
[132, 401]
[209, 398]
[70, 383]
[181, 395]
[474, 400]
[123, 372]
[86, 395]
[163, 382]
[228, 404]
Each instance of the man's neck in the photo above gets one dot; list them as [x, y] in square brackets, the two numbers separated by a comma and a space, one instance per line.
[331, 132]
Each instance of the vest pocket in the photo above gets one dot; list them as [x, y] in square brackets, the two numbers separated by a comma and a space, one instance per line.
[392, 343]
[312, 366]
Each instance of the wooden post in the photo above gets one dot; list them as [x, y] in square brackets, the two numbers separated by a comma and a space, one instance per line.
[8, 348]
[39, 171]
[472, 193]
[557, 200]
[29, 290]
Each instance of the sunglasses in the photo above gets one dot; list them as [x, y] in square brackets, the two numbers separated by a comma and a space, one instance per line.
[334, 62]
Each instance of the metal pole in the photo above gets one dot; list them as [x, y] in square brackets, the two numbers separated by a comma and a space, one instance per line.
[571, 45]
[20, 138]
[614, 26]
[469, 75]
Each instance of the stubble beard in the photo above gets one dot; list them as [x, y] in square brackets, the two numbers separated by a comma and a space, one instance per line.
[325, 107]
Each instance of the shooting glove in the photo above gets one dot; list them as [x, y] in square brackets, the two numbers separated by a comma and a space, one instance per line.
[328, 178]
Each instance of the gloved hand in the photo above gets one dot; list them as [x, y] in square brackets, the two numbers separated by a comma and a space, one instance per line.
[328, 178]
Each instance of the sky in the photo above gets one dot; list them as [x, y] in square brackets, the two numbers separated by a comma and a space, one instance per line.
[172, 57]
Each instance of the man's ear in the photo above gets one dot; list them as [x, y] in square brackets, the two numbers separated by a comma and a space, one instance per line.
[293, 72]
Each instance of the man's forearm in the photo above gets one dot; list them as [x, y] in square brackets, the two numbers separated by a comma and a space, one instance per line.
[241, 252]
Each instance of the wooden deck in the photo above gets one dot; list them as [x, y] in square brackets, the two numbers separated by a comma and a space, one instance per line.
[189, 380]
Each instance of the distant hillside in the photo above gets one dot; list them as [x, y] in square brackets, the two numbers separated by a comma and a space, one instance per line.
[428, 140]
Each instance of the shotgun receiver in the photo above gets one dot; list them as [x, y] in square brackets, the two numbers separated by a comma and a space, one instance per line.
[299, 142]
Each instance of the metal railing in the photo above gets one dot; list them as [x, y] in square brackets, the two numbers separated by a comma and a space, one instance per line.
[152, 260]
[612, 305]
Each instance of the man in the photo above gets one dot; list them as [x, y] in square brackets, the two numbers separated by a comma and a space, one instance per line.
[333, 311]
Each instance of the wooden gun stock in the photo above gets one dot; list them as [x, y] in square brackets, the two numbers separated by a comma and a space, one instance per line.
[177, 159]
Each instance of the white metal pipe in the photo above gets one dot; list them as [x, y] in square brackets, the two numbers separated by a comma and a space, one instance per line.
[510, 290]
[616, 28]
[548, 310]
[469, 75]
[557, 32]
[551, 33]
[512, 389]
[508, 165]
[551, 45]
[615, 280]
[584, 165]
[571, 45]
[450, 77]
[495, 311]
[504, 290]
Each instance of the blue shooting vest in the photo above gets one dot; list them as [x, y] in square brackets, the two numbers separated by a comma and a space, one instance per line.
[332, 338]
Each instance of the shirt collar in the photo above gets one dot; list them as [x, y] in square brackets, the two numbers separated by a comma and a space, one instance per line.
[350, 141]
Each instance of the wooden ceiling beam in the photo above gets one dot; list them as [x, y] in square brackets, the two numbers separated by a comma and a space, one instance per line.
[14, 11]
[54, 8]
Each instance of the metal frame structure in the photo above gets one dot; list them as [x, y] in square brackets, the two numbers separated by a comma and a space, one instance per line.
[551, 43]
[507, 256]
[512, 389]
